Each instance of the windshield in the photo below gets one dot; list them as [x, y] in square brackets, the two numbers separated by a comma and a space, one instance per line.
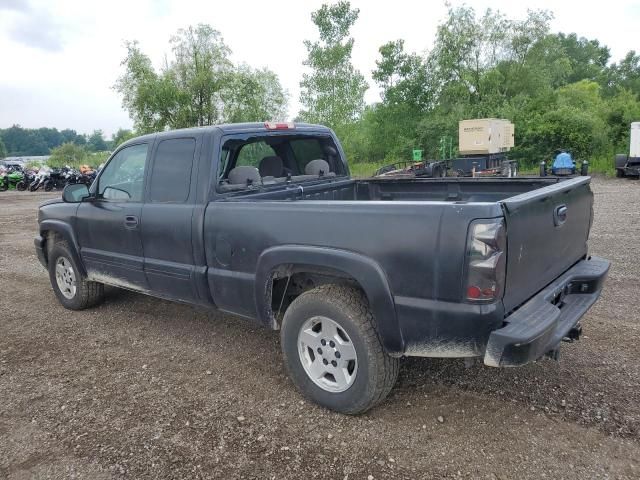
[265, 161]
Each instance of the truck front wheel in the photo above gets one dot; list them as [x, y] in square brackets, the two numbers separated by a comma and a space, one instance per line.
[333, 352]
[73, 290]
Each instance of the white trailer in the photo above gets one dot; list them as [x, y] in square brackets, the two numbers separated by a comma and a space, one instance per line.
[629, 165]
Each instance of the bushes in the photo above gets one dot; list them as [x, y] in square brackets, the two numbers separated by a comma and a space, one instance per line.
[75, 155]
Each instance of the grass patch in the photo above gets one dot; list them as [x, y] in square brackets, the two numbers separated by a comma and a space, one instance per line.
[362, 170]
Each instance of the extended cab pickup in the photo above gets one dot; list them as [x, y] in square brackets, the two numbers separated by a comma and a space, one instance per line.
[264, 221]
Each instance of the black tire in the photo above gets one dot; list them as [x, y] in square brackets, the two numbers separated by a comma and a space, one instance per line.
[619, 173]
[88, 294]
[48, 186]
[21, 186]
[621, 160]
[376, 371]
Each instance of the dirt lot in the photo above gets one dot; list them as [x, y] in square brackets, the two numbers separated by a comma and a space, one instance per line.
[142, 388]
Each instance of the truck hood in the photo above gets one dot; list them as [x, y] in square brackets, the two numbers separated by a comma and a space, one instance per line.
[51, 202]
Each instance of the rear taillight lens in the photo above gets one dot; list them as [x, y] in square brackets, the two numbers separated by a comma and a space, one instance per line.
[486, 259]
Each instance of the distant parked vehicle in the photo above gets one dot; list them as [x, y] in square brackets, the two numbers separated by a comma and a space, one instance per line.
[58, 179]
[629, 165]
[28, 177]
[563, 164]
[10, 177]
[40, 179]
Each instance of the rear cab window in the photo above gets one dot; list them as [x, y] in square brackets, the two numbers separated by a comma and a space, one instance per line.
[268, 161]
[170, 180]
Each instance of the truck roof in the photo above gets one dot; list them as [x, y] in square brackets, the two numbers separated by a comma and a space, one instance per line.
[230, 128]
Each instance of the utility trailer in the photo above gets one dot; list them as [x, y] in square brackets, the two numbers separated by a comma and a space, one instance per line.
[426, 169]
[496, 164]
[629, 165]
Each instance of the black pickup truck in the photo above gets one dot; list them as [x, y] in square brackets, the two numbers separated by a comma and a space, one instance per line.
[263, 221]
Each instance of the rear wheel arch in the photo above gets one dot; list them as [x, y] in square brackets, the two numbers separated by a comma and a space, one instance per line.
[277, 267]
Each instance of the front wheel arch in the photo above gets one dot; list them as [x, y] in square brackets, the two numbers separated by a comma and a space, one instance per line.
[52, 231]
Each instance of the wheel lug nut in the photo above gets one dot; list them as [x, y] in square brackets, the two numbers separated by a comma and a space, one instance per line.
[325, 361]
[337, 354]
[334, 363]
[332, 344]
[323, 342]
[319, 350]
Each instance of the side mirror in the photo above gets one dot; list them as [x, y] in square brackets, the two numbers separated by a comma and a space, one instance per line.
[75, 192]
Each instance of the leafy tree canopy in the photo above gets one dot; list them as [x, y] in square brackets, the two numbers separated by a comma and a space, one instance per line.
[332, 93]
[198, 85]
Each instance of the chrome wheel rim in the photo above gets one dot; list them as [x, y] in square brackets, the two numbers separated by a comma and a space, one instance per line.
[327, 354]
[66, 278]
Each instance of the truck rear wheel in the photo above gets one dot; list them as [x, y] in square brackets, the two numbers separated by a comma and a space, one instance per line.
[73, 290]
[333, 352]
[619, 173]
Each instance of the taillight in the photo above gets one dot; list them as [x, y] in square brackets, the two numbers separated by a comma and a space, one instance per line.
[486, 259]
[279, 125]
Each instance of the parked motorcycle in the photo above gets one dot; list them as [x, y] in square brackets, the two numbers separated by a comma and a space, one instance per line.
[58, 179]
[10, 178]
[40, 179]
[28, 177]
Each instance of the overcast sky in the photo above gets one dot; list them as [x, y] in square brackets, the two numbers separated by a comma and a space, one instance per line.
[59, 59]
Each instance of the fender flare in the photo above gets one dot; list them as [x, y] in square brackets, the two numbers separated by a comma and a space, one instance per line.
[369, 275]
[65, 230]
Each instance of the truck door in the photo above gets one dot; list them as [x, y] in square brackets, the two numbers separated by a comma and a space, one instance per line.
[109, 225]
[168, 219]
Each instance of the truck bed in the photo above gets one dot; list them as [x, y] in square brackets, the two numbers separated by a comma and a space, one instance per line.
[406, 189]
[415, 229]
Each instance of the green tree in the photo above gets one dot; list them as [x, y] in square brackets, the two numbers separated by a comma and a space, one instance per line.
[23, 141]
[625, 74]
[253, 95]
[621, 109]
[3, 149]
[200, 72]
[67, 154]
[96, 142]
[121, 136]
[333, 92]
[69, 135]
[198, 85]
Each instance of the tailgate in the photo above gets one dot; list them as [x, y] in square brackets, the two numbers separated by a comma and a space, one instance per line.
[547, 231]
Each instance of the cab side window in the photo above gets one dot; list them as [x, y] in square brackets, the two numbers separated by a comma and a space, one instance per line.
[123, 177]
[171, 171]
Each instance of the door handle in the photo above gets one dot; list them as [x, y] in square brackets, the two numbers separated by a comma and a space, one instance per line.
[131, 221]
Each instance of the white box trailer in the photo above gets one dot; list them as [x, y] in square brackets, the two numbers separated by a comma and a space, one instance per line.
[485, 136]
[629, 165]
[634, 141]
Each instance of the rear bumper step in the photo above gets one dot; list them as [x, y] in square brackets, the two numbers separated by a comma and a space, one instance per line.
[545, 320]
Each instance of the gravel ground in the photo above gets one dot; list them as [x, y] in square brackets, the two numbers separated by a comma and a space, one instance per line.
[142, 388]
